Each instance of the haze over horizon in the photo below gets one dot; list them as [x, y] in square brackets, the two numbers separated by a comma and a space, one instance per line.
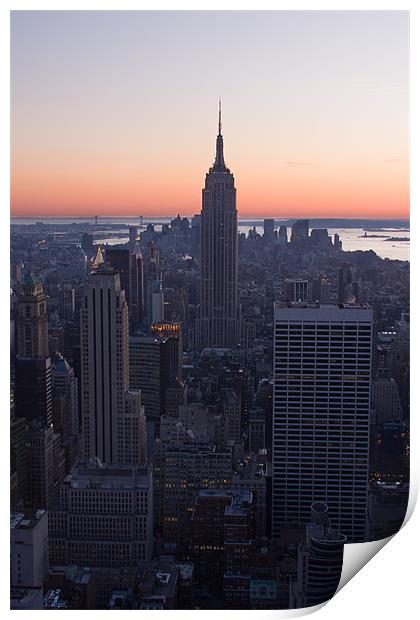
[248, 217]
[120, 108]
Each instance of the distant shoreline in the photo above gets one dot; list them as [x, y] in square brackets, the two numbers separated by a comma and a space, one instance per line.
[376, 225]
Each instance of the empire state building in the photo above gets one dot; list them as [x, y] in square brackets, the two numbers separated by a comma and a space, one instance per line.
[219, 323]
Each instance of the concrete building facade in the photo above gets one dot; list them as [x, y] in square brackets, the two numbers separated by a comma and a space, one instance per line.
[321, 413]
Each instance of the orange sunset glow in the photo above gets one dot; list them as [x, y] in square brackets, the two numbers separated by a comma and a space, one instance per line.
[125, 121]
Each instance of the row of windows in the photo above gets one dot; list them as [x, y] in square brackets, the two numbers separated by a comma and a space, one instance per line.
[315, 344]
[319, 404]
[310, 458]
[308, 424]
[323, 325]
[306, 470]
[323, 385]
[280, 482]
[290, 447]
[323, 371]
[291, 389]
[316, 340]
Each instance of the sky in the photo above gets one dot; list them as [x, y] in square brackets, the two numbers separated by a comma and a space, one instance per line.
[115, 112]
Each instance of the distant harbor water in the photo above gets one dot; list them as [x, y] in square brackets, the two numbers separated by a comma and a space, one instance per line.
[352, 238]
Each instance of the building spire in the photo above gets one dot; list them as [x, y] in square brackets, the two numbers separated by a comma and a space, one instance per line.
[219, 162]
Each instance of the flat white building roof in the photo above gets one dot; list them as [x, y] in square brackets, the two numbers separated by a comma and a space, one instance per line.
[322, 312]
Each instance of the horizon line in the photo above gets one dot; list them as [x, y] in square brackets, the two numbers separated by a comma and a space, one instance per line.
[256, 217]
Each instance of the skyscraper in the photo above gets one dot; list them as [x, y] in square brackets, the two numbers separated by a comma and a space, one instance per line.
[322, 376]
[67, 301]
[156, 302]
[87, 244]
[125, 261]
[32, 325]
[32, 365]
[218, 324]
[221, 541]
[104, 520]
[46, 465]
[66, 408]
[33, 392]
[269, 230]
[296, 291]
[28, 549]
[283, 235]
[347, 290]
[137, 288]
[152, 287]
[106, 411]
[145, 373]
[64, 384]
[320, 561]
[132, 234]
[155, 365]
[300, 231]
[18, 462]
[133, 440]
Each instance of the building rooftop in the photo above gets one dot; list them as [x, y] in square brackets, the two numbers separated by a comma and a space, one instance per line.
[322, 312]
[30, 280]
[25, 598]
[118, 598]
[62, 366]
[248, 469]
[325, 533]
[158, 580]
[75, 574]
[18, 520]
[215, 493]
[318, 305]
[185, 570]
[54, 600]
[238, 499]
[93, 474]
[149, 339]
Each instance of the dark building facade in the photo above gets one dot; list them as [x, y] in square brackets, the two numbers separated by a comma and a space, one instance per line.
[222, 538]
[33, 398]
[320, 560]
[155, 366]
[33, 390]
[127, 264]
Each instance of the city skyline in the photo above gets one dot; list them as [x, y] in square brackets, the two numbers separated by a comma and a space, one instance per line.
[313, 131]
[205, 410]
